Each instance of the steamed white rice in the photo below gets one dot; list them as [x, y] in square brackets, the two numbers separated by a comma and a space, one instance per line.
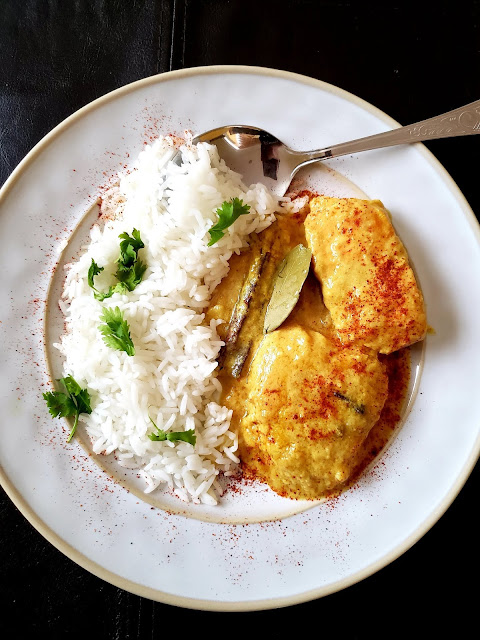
[172, 376]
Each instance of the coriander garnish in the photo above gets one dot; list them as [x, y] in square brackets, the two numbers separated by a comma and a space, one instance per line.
[130, 268]
[173, 436]
[227, 214]
[72, 403]
[115, 331]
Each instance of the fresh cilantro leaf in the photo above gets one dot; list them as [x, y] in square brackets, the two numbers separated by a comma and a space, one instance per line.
[173, 436]
[130, 269]
[131, 276]
[227, 214]
[103, 296]
[116, 332]
[72, 403]
[83, 401]
[129, 248]
[72, 385]
[93, 271]
[60, 405]
[185, 436]
[160, 436]
[215, 236]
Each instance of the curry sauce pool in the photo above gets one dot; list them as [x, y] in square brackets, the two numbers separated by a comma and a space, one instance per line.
[310, 412]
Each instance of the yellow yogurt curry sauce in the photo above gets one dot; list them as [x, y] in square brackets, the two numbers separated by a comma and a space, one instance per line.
[316, 399]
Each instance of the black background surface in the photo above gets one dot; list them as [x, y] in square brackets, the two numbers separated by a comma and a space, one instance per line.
[412, 60]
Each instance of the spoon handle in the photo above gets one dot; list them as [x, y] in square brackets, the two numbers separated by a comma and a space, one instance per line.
[463, 121]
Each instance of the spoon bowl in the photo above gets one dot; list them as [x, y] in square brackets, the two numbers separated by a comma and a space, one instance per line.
[256, 154]
[261, 157]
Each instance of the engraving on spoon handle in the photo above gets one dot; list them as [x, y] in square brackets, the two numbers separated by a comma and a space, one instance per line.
[462, 121]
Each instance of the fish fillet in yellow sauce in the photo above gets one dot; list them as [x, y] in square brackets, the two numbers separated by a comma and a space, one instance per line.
[367, 282]
[310, 412]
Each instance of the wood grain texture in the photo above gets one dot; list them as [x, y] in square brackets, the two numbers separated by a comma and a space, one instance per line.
[412, 60]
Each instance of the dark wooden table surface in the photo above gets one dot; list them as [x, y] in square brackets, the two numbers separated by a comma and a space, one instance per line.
[410, 59]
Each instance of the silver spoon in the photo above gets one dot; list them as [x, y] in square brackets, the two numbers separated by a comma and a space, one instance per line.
[261, 157]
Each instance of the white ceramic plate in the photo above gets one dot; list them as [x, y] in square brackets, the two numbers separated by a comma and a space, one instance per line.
[255, 550]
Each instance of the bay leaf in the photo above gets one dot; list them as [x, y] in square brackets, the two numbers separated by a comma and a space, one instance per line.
[291, 274]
